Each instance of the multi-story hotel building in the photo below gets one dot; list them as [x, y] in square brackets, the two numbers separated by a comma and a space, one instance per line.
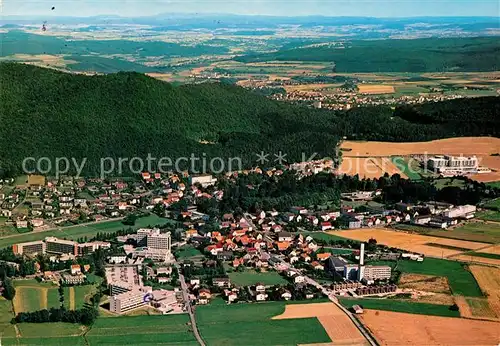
[159, 241]
[61, 246]
[58, 246]
[31, 248]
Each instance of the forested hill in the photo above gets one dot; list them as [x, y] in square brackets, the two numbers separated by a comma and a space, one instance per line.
[416, 55]
[45, 113]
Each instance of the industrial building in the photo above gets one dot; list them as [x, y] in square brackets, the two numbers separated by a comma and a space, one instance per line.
[451, 165]
[462, 211]
[366, 273]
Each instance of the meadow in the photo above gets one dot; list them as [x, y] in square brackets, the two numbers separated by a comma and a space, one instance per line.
[32, 295]
[401, 306]
[472, 231]
[251, 324]
[460, 279]
[142, 330]
[407, 167]
[79, 231]
[251, 277]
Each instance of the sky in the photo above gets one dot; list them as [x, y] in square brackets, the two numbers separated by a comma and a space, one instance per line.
[370, 8]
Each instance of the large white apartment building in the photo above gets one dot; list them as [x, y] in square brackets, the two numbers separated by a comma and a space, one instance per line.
[127, 301]
[160, 241]
[371, 273]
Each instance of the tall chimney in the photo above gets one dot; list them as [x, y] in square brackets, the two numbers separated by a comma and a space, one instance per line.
[362, 255]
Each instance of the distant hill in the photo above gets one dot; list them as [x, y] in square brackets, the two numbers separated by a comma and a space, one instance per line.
[418, 55]
[46, 113]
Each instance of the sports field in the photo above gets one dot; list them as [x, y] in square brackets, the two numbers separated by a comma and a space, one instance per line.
[75, 232]
[252, 324]
[251, 277]
[394, 328]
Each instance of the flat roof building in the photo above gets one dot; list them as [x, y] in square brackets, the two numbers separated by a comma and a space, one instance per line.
[127, 301]
[61, 246]
[30, 248]
[122, 279]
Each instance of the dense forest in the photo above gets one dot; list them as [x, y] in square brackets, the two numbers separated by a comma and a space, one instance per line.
[418, 55]
[46, 113]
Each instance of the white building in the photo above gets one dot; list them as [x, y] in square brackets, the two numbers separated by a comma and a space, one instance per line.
[127, 301]
[450, 165]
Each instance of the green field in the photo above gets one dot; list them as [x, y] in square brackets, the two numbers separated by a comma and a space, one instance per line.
[50, 334]
[32, 295]
[493, 204]
[251, 277]
[82, 293]
[251, 324]
[142, 330]
[461, 280]
[471, 231]
[75, 232]
[485, 255]
[494, 184]
[186, 252]
[448, 182]
[489, 215]
[401, 306]
[339, 251]
[407, 167]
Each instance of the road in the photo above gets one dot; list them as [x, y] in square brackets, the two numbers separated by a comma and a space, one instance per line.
[189, 308]
[334, 300]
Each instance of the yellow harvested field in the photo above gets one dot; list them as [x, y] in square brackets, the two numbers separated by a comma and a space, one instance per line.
[481, 146]
[395, 328]
[36, 180]
[410, 242]
[493, 249]
[337, 325]
[309, 87]
[493, 163]
[368, 167]
[375, 89]
[488, 279]
[476, 259]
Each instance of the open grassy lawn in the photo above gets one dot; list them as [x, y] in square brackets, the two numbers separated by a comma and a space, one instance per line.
[89, 231]
[494, 184]
[142, 330]
[493, 204]
[46, 334]
[489, 215]
[445, 182]
[6, 314]
[401, 306]
[405, 166]
[460, 279]
[251, 277]
[187, 251]
[251, 324]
